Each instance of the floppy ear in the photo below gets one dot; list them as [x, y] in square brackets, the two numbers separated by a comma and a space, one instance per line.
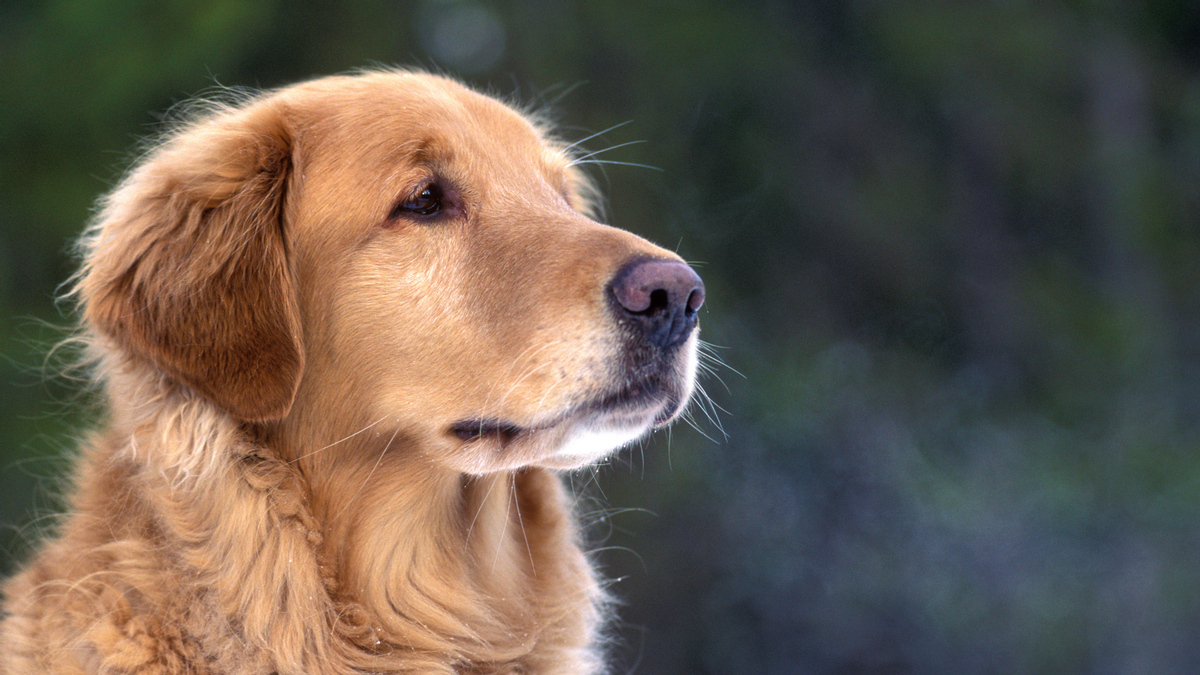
[186, 265]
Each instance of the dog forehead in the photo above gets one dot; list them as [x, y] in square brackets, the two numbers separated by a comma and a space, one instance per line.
[381, 136]
[414, 114]
[363, 142]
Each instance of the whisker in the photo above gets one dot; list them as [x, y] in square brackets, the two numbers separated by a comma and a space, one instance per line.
[691, 422]
[610, 161]
[531, 370]
[508, 503]
[624, 549]
[598, 133]
[482, 504]
[549, 390]
[596, 479]
[310, 454]
[710, 413]
[606, 513]
[593, 153]
[710, 410]
[709, 351]
[521, 522]
[670, 464]
[642, 453]
[529, 351]
[366, 480]
[563, 94]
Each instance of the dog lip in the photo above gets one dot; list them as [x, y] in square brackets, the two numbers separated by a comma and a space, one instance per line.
[638, 398]
[473, 430]
[635, 401]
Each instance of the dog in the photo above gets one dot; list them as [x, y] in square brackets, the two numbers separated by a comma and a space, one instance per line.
[349, 335]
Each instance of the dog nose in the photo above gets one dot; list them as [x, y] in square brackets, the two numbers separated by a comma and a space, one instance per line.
[660, 298]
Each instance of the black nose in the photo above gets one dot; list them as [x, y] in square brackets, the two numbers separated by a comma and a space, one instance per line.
[659, 298]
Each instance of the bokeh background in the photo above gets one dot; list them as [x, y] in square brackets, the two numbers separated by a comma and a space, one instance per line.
[952, 255]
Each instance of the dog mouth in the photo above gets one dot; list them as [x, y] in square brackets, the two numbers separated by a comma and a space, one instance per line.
[474, 430]
[648, 403]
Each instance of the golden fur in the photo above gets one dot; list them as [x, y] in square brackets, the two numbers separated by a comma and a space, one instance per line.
[347, 332]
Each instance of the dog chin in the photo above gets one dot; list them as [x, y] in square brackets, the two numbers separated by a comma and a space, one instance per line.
[592, 442]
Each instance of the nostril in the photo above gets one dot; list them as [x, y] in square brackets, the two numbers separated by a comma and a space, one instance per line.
[695, 300]
[659, 301]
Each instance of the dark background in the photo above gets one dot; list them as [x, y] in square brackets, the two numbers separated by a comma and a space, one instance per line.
[951, 257]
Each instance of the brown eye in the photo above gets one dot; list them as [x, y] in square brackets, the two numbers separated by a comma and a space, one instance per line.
[427, 202]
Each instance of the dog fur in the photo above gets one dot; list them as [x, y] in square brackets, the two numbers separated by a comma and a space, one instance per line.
[348, 334]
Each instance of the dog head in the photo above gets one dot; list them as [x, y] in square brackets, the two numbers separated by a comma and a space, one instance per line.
[401, 253]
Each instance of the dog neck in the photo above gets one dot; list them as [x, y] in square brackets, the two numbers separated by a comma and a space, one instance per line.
[359, 552]
[423, 560]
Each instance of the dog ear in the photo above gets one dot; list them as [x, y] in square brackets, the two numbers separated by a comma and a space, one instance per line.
[186, 264]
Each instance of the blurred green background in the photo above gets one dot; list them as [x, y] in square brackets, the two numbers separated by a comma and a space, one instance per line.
[952, 255]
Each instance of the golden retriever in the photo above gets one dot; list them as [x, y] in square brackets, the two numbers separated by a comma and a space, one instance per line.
[349, 332]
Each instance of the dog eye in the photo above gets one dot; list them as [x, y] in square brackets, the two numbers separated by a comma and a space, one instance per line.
[427, 202]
